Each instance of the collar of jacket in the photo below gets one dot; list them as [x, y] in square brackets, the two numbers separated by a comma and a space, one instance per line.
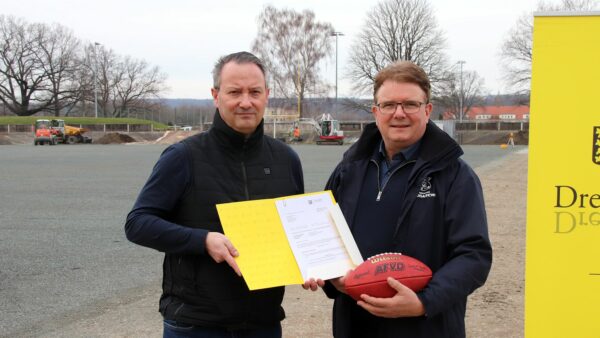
[436, 145]
[229, 137]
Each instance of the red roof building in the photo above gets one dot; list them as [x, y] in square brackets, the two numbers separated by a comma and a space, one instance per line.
[498, 113]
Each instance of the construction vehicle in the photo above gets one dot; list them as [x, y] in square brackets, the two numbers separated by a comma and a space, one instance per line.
[62, 133]
[329, 131]
[43, 133]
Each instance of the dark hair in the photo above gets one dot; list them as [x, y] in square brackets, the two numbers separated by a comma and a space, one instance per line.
[239, 58]
[403, 71]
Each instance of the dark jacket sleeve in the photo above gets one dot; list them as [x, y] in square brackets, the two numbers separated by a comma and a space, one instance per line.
[469, 249]
[147, 222]
[297, 174]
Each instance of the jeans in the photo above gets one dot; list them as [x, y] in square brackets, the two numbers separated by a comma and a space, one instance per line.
[172, 329]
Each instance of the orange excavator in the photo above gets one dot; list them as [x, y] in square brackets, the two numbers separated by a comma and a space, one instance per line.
[43, 133]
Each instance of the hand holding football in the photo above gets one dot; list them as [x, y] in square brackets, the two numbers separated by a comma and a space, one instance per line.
[370, 277]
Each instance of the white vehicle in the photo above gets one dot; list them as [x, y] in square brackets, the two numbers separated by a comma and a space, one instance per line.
[329, 131]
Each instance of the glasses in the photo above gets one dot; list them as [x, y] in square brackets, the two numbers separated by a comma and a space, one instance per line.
[409, 107]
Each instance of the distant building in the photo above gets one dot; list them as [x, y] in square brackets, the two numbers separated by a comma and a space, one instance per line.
[494, 113]
[281, 114]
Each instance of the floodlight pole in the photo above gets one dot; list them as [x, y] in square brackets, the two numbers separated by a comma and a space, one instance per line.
[460, 98]
[336, 34]
[96, 79]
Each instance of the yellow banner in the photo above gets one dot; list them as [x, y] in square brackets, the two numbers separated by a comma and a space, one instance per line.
[562, 278]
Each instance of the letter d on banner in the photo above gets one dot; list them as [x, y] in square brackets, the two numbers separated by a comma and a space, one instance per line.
[596, 146]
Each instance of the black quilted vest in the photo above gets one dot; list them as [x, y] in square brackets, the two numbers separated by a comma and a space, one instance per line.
[225, 167]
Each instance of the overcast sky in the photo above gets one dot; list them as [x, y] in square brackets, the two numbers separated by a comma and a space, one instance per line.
[185, 37]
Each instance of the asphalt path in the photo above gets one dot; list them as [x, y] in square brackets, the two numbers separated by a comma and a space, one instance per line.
[63, 252]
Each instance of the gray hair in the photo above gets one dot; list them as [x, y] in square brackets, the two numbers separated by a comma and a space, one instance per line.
[239, 58]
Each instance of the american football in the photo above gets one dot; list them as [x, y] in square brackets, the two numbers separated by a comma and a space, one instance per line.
[370, 277]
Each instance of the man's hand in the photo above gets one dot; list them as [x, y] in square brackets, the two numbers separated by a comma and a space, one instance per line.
[313, 284]
[220, 249]
[404, 304]
[339, 283]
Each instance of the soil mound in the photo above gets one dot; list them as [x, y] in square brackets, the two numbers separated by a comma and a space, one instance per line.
[114, 138]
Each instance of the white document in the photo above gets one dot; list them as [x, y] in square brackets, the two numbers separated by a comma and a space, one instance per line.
[318, 235]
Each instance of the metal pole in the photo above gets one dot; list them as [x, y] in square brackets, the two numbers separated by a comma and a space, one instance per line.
[336, 34]
[298, 75]
[336, 71]
[96, 80]
[460, 97]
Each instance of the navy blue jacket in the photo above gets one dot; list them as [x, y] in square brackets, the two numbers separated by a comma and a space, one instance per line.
[442, 223]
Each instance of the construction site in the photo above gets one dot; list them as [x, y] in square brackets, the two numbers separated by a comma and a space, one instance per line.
[324, 131]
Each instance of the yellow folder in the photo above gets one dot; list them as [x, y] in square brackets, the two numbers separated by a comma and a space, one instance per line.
[266, 258]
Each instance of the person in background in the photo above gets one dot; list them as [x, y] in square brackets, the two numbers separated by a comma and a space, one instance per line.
[203, 293]
[403, 188]
[511, 140]
[297, 137]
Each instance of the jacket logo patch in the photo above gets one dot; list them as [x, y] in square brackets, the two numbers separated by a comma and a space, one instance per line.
[267, 171]
[425, 190]
[596, 146]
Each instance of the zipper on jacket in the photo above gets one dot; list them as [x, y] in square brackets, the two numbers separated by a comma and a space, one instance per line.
[379, 187]
[244, 175]
[245, 180]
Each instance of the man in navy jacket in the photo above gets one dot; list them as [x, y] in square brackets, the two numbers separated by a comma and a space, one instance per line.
[403, 188]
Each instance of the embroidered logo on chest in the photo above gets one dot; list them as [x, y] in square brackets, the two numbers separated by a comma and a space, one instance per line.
[425, 190]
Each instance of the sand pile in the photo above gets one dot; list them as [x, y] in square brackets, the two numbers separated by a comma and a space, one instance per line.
[114, 138]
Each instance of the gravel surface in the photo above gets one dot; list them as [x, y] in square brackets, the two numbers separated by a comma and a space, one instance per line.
[66, 269]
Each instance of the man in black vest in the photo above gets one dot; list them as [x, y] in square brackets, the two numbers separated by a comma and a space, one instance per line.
[203, 292]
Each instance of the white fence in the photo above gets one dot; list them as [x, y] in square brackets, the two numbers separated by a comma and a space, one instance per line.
[105, 128]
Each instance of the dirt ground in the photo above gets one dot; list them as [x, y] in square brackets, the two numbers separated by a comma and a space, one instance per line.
[495, 310]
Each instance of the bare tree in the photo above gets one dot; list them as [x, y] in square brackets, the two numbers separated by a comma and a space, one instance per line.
[516, 54]
[124, 84]
[24, 88]
[58, 53]
[456, 93]
[292, 44]
[134, 84]
[358, 105]
[516, 49]
[397, 30]
[43, 68]
[103, 61]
